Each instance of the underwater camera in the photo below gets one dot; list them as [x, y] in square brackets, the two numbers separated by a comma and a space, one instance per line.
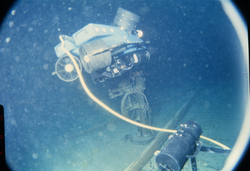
[104, 51]
[181, 146]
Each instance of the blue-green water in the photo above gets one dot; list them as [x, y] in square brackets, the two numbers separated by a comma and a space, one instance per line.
[49, 122]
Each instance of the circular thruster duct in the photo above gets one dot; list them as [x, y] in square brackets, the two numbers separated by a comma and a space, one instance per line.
[95, 55]
[65, 68]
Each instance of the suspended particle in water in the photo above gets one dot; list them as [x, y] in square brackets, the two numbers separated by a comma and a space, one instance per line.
[7, 39]
[11, 23]
[45, 66]
[35, 156]
[111, 127]
[13, 12]
[17, 58]
[100, 134]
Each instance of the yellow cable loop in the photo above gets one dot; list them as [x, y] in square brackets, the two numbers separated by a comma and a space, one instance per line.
[114, 112]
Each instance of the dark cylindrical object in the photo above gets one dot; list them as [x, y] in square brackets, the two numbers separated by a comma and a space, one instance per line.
[182, 143]
[126, 20]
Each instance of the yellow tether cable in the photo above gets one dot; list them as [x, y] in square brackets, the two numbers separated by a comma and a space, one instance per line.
[114, 112]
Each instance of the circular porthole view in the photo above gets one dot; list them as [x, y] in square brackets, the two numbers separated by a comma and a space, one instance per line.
[130, 85]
